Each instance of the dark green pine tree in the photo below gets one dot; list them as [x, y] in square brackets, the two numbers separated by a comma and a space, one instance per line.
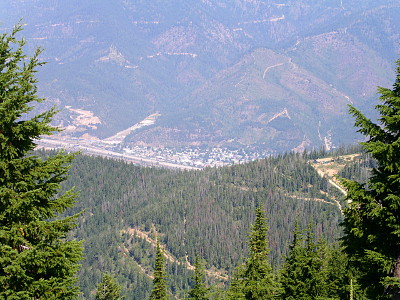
[316, 275]
[306, 270]
[37, 260]
[108, 289]
[199, 290]
[159, 291]
[372, 219]
[235, 291]
[293, 285]
[342, 279]
[255, 280]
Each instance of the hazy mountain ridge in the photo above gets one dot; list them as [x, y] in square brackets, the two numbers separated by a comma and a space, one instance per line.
[126, 60]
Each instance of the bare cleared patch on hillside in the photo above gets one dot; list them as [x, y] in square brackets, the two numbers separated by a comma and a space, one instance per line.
[81, 120]
[330, 167]
[145, 235]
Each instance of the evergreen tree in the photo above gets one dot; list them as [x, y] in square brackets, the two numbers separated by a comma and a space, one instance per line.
[292, 277]
[108, 289]
[255, 281]
[199, 290]
[159, 291]
[236, 287]
[317, 257]
[37, 261]
[372, 219]
[306, 270]
[342, 278]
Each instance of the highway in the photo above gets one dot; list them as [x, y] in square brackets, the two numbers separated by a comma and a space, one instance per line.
[86, 147]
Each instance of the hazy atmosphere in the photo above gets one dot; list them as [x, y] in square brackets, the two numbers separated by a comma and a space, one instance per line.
[200, 149]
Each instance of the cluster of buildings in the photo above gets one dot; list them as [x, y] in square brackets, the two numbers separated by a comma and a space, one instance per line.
[195, 156]
[184, 157]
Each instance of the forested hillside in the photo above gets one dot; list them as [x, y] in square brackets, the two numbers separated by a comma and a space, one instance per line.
[265, 229]
[269, 75]
[207, 212]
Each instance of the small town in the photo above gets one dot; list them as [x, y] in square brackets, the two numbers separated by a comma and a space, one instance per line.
[182, 158]
[194, 156]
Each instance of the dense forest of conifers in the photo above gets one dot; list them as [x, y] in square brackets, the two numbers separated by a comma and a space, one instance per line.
[266, 229]
[208, 212]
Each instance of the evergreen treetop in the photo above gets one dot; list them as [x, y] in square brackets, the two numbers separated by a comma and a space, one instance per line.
[292, 278]
[255, 279]
[159, 291]
[199, 290]
[37, 261]
[108, 289]
[372, 220]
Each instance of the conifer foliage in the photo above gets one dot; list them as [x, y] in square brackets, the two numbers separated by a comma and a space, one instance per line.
[199, 290]
[292, 278]
[108, 289]
[159, 291]
[305, 272]
[372, 220]
[36, 259]
[255, 280]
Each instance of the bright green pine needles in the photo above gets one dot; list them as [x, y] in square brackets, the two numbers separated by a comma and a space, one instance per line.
[255, 279]
[37, 261]
[108, 289]
[372, 220]
[305, 274]
[199, 290]
[159, 291]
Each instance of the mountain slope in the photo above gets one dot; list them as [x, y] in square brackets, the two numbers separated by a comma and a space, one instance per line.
[125, 60]
[207, 212]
